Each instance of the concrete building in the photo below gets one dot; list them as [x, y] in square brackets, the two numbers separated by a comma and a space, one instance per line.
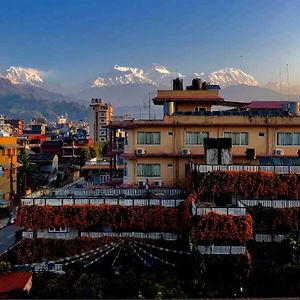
[100, 116]
[157, 152]
[8, 165]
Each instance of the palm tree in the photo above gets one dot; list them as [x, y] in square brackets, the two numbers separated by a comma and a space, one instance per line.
[27, 173]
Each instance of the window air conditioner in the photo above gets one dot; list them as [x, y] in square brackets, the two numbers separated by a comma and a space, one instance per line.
[140, 151]
[278, 152]
[141, 183]
[157, 183]
[186, 151]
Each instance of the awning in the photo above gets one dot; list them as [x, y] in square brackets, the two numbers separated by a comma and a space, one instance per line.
[9, 146]
[7, 165]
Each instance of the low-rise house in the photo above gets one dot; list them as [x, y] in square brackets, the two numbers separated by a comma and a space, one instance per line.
[47, 165]
[14, 281]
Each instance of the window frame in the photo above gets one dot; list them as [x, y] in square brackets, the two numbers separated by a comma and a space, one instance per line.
[146, 173]
[147, 138]
[200, 135]
[240, 144]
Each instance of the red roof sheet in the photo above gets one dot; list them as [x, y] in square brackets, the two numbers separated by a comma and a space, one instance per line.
[267, 104]
[14, 281]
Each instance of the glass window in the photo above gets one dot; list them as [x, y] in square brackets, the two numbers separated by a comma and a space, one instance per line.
[195, 138]
[237, 138]
[148, 138]
[148, 170]
[288, 138]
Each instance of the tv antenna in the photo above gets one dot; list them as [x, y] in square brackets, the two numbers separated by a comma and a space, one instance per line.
[288, 81]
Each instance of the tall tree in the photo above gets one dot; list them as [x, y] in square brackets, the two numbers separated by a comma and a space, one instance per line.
[27, 173]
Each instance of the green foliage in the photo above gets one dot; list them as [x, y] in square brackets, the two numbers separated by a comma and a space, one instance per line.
[28, 175]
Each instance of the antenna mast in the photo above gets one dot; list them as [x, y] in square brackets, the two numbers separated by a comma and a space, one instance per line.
[288, 80]
[280, 82]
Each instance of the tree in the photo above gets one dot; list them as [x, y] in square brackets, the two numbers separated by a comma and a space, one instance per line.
[85, 155]
[28, 175]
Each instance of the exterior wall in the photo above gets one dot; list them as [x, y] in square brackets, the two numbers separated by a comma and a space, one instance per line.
[8, 155]
[71, 234]
[170, 148]
[100, 111]
[190, 106]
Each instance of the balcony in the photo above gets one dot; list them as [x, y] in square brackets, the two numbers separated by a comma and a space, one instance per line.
[255, 168]
[141, 235]
[221, 250]
[100, 201]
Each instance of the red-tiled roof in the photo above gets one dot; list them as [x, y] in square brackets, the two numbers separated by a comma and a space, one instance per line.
[14, 281]
[267, 104]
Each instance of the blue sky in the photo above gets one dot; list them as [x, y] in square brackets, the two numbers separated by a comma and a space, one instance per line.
[79, 39]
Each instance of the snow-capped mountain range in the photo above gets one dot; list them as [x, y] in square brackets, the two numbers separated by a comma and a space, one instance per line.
[27, 90]
[159, 75]
[25, 76]
[156, 75]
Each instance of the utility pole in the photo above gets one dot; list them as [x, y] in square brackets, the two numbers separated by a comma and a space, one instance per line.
[11, 190]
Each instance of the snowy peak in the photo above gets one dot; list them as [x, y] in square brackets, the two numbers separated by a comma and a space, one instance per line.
[230, 76]
[121, 75]
[160, 69]
[20, 75]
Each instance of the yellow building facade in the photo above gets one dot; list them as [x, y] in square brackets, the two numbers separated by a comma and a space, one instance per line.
[157, 152]
[8, 164]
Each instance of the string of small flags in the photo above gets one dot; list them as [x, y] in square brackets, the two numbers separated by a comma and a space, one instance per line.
[87, 256]
[79, 255]
[90, 254]
[9, 248]
[118, 254]
[153, 256]
[104, 254]
[138, 255]
[163, 249]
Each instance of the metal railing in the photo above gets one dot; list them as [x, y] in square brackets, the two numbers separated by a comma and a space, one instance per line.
[221, 250]
[275, 169]
[100, 201]
[27, 234]
[235, 211]
[117, 192]
[269, 238]
[272, 203]
[151, 235]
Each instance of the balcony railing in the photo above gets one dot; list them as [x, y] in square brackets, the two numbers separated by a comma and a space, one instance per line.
[269, 238]
[141, 235]
[162, 192]
[272, 203]
[221, 250]
[277, 169]
[235, 211]
[100, 201]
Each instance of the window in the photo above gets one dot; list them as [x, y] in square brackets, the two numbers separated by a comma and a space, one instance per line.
[170, 133]
[261, 134]
[195, 138]
[170, 165]
[125, 169]
[237, 138]
[148, 138]
[288, 138]
[198, 109]
[148, 170]
[58, 229]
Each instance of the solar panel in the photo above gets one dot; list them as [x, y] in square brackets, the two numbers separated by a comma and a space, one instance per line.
[275, 161]
[287, 161]
[264, 161]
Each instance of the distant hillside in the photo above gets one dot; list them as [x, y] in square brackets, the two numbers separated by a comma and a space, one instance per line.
[16, 106]
[8, 88]
[245, 93]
